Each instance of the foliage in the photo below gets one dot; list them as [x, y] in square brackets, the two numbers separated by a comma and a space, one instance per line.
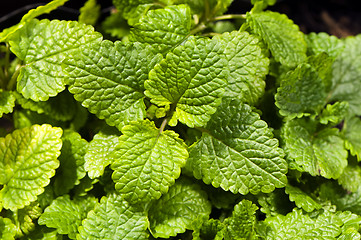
[176, 120]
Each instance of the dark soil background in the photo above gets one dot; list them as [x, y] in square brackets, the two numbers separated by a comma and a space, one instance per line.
[341, 18]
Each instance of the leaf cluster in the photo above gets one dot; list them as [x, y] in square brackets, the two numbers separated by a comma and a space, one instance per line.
[173, 119]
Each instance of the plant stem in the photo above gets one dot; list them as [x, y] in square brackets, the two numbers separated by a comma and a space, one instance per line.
[2, 78]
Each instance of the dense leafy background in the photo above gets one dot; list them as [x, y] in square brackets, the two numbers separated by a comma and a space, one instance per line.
[178, 120]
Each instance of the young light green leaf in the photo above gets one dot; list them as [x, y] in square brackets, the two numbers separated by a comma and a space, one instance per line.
[28, 159]
[297, 225]
[163, 28]
[322, 42]
[322, 64]
[42, 46]
[283, 38]
[301, 92]
[320, 153]
[196, 6]
[71, 159]
[114, 218]
[346, 84]
[90, 12]
[352, 135]
[25, 219]
[108, 78]
[115, 25]
[98, 155]
[133, 9]
[62, 107]
[147, 161]
[33, 13]
[275, 203]
[7, 102]
[334, 113]
[218, 7]
[302, 199]
[66, 215]
[237, 152]
[241, 225]
[43, 233]
[247, 66]
[7, 229]
[205, 228]
[185, 198]
[192, 79]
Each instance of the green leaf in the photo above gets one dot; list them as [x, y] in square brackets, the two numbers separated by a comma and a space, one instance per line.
[275, 203]
[343, 199]
[322, 42]
[192, 79]
[114, 218]
[163, 28]
[301, 92]
[99, 153]
[25, 218]
[28, 159]
[108, 79]
[115, 25]
[267, 2]
[297, 225]
[71, 159]
[302, 199]
[26, 118]
[350, 178]
[7, 102]
[247, 65]
[42, 46]
[90, 12]
[318, 153]
[208, 229]
[184, 198]
[322, 64]
[283, 38]
[43, 233]
[237, 152]
[62, 107]
[242, 222]
[66, 215]
[33, 13]
[196, 6]
[219, 198]
[334, 113]
[147, 161]
[346, 84]
[133, 9]
[351, 225]
[220, 6]
[7, 229]
[352, 135]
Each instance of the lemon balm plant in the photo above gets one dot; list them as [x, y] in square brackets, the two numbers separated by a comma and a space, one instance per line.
[176, 120]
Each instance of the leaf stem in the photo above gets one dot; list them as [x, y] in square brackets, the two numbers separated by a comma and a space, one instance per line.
[229, 16]
[200, 27]
[164, 123]
[12, 82]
